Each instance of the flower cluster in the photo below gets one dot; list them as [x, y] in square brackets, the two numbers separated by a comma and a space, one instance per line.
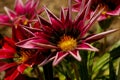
[36, 41]
[111, 7]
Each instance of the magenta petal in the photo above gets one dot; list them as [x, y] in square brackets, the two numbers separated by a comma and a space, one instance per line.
[76, 7]
[114, 12]
[7, 66]
[31, 43]
[44, 22]
[59, 56]
[99, 36]
[75, 54]
[78, 0]
[4, 18]
[91, 21]
[19, 7]
[21, 68]
[30, 7]
[86, 46]
[6, 54]
[54, 20]
[10, 13]
[62, 16]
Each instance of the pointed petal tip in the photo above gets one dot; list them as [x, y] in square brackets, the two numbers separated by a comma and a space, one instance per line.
[59, 57]
[75, 54]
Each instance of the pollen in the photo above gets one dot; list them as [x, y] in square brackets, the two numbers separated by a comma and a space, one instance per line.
[23, 57]
[25, 22]
[104, 12]
[67, 43]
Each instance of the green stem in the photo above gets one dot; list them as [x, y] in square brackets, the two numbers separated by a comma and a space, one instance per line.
[39, 74]
[48, 71]
[111, 69]
[83, 67]
[76, 71]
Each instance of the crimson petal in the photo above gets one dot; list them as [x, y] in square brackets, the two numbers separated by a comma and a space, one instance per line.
[91, 21]
[54, 20]
[21, 68]
[75, 54]
[62, 16]
[5, 53]
[7, 66]
[10, 13]
[99, 36]
[14, 75]
[59, 56]
[19, 7]
[31, 43]
[4, 19]
[86, 46]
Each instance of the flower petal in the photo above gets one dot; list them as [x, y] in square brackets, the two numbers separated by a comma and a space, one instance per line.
[13, 75]
[56, 23]
[5, 53]
[7, 66]
[99, 36]
[4, 19]
[19, 7]
[21, 68]
[91, 21]
[59, 56]
[10, 13]
[32, 43]
[75, 54]
[62, 16]
[86, 46]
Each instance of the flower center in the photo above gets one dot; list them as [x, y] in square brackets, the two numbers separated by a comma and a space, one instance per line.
[67, 43]
[22, 56]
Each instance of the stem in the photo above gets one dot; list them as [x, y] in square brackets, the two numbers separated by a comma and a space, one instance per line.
[48, 71]
[83, 66]
[39, 74]
[111, 70]
[76, 71]
[67, 78]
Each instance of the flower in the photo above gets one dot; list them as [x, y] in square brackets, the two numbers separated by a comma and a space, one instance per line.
[65, 36]
[15, 60]
[22, 14]
[111, 7]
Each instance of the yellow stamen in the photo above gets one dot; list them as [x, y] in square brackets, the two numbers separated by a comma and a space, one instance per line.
[24, 56]
[25, 22]
[67, 43]
[104, 12]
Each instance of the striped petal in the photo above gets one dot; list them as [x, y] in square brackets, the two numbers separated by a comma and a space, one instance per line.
[99, 36]
[59, 56]
[86, 46]
[75, 54]
[34, 43]
[11, 14]
[21, 68]
[56, 23]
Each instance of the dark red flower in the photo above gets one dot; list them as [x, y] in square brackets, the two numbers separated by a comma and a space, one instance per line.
[65, 36]
[15, 60]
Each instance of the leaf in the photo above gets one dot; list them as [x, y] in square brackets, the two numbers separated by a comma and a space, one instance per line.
[101, 62]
